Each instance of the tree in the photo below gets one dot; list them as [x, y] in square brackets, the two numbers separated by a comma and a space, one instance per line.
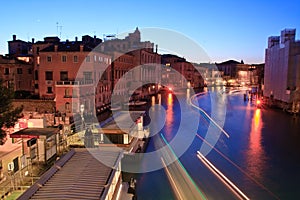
[8, 114]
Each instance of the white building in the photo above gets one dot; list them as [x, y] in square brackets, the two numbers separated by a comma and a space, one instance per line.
[282, 69]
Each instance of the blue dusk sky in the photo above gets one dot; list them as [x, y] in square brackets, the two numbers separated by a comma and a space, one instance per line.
[224, 29]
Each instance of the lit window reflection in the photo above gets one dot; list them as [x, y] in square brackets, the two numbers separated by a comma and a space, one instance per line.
[256, 155]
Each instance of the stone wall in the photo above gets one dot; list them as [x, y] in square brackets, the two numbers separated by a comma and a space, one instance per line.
[32, 105]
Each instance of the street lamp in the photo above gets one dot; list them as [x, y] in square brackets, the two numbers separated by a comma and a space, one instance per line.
[81, 114]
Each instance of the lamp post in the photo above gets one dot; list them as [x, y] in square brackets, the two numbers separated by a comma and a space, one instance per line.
[81, 114]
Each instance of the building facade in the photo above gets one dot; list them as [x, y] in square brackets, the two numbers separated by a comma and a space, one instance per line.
[237, 73]
[179, 73]
[282, 69]
[16, 73]
[71, 74]
[129, 43]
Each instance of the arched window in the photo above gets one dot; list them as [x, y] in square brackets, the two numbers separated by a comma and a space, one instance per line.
[67, 92]
[67, 106]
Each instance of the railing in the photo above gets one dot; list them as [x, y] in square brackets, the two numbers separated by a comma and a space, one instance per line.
[79, 82]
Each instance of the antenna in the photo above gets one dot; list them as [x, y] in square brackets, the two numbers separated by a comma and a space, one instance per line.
[60, 29]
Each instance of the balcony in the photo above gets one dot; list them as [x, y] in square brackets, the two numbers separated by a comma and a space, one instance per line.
[78, 82]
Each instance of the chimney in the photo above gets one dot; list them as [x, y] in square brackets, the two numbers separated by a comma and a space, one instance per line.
[55, 47]
[95, 38]
[156, 46]
[14, 37]
[76, 39]
[32, 40]
[81, 47]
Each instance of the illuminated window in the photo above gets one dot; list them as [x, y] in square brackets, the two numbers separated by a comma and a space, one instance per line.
[38, 60]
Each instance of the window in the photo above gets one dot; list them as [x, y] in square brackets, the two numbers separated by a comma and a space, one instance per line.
[49, 76]
[6, 71]
[87, 59]
[75, 59]
[19, 71]
[49, 90]
[38, 60]
[87, 75]
[106, 60]
[36, 86]
[64, 58]
[36, 75]
[67, 92]
[64, 76]
[67, 106]
[49, 59]
[75, 93]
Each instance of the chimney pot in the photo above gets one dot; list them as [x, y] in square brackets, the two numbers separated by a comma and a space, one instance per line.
[14, 37]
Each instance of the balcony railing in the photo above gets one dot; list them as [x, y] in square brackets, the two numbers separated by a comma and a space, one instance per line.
[80, 82]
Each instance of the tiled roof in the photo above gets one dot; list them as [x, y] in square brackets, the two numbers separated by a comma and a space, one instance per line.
[80, 176]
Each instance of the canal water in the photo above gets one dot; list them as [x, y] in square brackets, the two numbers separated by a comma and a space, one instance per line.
[261, 156]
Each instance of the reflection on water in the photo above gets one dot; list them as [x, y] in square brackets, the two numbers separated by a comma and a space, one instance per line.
[264, 145]
[256, 154]
[169, 117]
[188, 94]
[152, 100]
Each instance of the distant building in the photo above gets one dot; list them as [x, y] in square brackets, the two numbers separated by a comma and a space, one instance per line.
[282, 69]
[16, 73]
[129, 53]
[147, 72]
[238, 73]
[20, 49]
[180, 73]
[120, 67]
[129, 43]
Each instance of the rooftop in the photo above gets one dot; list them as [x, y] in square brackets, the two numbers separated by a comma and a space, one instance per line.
[77, 175]
[125, 119]
[34, 133]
